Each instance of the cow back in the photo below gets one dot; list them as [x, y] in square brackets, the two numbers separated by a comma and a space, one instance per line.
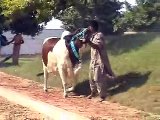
[48, 45]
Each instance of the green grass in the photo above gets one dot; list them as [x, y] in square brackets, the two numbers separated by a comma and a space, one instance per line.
[138, 54]
[134, 58]
[28, 68]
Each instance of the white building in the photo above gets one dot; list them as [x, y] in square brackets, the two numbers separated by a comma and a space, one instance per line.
[32, 45]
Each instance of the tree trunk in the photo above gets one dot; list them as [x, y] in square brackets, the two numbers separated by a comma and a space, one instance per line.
[15, 56]
[18, 40]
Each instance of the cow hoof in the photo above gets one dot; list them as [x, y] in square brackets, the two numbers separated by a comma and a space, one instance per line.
[71, 89]
[45, 90]
[65, 95]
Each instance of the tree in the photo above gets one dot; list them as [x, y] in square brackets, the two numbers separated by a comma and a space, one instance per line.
[24, 17]
[77, 13]
[140, 17]
[141, 2]
[2, 21]
[74, 13]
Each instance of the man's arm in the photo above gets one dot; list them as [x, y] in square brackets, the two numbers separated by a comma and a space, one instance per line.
[10, 41]
[95, 46]
[98, 41]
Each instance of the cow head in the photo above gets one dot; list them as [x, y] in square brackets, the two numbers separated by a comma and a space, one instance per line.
[80, 37]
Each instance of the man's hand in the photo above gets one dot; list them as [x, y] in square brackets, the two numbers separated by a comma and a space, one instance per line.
[95, 46]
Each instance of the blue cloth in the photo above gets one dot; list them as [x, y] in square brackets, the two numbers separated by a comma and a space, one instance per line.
[73, 47]
[79, 35]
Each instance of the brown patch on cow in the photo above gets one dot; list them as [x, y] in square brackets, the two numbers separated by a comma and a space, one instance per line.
[48, 46]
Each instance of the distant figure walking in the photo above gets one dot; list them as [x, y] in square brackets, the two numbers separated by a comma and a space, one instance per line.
[18, 40]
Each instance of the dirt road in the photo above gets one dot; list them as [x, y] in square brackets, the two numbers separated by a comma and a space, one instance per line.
[11, 111]
[83, 106]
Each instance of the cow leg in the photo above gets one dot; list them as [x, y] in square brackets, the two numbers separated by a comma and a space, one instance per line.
[62, 74]
[45, 78]
[74, 77]
[74, 82]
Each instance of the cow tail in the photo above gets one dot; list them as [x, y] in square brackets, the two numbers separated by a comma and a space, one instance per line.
[40, 74]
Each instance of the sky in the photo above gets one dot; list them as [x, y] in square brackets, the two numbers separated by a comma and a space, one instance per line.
[56, 24]
[133, 2]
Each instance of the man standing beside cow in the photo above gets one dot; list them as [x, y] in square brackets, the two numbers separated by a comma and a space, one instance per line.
[63, 56]
[100, 68]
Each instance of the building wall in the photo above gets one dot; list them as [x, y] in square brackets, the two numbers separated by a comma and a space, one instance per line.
[32, 45]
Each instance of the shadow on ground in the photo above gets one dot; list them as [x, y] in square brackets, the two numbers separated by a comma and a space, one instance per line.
[121, 84]
[3, 65]
[127, 81]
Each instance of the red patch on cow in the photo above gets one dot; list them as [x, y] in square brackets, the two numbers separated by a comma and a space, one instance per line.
[48, 46]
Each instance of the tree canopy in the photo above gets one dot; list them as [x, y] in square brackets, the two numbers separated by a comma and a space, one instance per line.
[2, 21]
[77, 13]
[26, 15]
[140, 17]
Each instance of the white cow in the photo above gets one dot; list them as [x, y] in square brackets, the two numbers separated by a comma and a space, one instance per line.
[59, 59]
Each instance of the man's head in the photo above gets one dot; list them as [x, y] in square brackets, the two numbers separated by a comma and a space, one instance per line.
[93, 26]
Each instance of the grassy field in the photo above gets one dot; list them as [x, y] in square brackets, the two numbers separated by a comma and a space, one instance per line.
[134, 58]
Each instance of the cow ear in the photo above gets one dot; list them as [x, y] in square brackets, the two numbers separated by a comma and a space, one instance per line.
[76, 31]
[67, 37]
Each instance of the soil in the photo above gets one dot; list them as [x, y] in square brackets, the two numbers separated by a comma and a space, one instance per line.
[11, 111]
[90, 108]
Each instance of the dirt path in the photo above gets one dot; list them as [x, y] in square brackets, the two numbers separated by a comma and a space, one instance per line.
[83, 106]
[10, 111]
